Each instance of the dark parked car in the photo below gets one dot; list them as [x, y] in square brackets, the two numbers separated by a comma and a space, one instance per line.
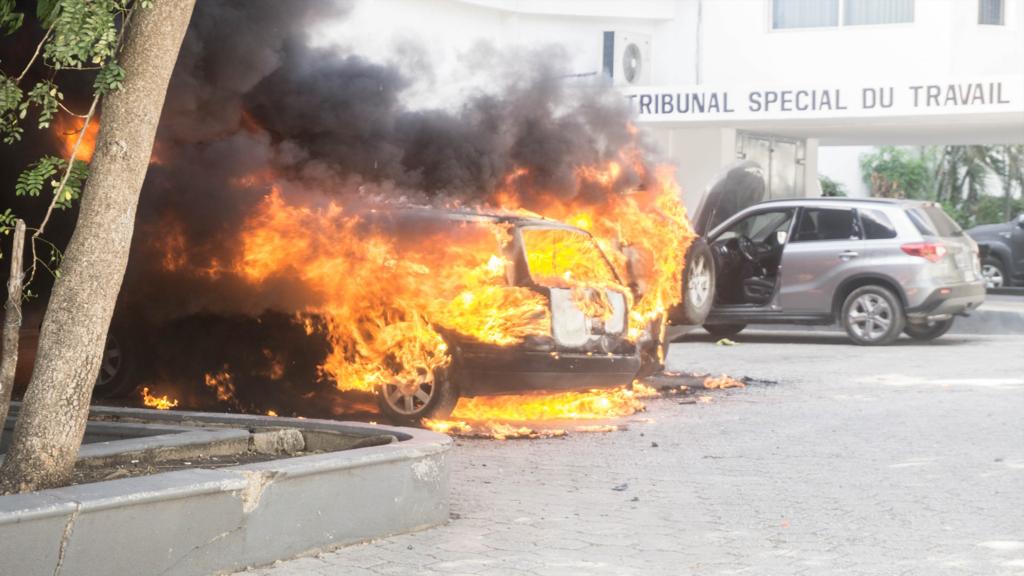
[877, 267]
[1003, 265]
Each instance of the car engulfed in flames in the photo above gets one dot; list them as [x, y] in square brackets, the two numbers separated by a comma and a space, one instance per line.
[423, 306]
[496, 299]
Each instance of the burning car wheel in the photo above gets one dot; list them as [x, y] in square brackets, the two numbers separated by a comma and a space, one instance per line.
[409, 404]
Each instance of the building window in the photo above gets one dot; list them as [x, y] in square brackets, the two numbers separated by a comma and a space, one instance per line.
[804, 13]
[825, 13]
[860, 12]
[990, 12]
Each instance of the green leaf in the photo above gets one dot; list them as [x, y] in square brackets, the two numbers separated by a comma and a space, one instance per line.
[10, 20]
[48, 171]
[109, 79]
[46, 97]
[84, 33]
[46, 12]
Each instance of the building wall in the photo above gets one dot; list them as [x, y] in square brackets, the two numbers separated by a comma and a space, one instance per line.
[944, 40]
[719, 43]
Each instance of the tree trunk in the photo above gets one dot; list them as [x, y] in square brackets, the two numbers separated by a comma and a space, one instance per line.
[52, 419]
[12, 323]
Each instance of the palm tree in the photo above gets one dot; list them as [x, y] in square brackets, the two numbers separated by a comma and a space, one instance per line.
[1010, 167]
[960, 176]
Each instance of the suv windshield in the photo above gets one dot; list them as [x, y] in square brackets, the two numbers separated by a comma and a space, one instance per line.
[933, 221]
[564, 258]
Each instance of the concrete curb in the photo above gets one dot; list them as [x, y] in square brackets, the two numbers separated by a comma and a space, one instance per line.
[201, 521]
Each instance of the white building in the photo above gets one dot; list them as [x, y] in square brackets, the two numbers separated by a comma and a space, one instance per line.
[786, 82]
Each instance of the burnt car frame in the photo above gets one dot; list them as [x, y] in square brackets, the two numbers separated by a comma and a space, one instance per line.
[581, 353]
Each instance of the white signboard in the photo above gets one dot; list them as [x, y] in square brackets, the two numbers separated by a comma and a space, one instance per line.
[923, 98]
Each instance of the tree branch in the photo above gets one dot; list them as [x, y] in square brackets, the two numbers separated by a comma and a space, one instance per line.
[60, 188]
[39, 48]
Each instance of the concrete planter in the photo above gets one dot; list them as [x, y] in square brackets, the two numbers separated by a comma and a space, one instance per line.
[204, 521]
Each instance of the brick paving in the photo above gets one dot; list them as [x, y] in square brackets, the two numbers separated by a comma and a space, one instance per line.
[905, 460]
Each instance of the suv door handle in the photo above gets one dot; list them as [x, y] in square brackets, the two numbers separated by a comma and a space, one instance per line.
[848, 255]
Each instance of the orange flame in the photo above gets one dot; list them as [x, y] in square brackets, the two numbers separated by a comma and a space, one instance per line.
[222, 384]
[67, 129]
[383, 301]
[158, 402]
[722, 382]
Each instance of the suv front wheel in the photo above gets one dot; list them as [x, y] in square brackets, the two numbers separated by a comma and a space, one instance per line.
[872, 316]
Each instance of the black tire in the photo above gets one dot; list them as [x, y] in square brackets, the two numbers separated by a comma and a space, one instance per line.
[872, 316]
[443, 397]
[926, 332]
[116, 377]
[699, 273]
[993, 264]
[719, 331]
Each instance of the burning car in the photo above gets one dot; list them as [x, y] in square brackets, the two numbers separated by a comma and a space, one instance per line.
[510, 304]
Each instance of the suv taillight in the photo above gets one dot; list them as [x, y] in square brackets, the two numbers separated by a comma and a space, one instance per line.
[931, 251]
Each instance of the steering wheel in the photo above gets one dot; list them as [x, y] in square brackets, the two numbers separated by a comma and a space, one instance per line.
[746, 248]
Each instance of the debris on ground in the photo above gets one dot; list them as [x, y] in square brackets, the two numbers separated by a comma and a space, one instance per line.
[725, 342]
[722, 382]
[621, 487]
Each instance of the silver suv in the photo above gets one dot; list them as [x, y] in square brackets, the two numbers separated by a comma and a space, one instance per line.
[878, 267]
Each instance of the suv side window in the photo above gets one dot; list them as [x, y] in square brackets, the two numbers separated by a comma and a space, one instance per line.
[827, 224]
[758, 227]
[876, 225]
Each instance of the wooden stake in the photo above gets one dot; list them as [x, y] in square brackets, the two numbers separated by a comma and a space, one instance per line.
[12, 323]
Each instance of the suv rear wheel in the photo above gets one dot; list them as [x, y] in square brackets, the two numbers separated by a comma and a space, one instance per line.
[408, 405]
[928, 331]
[872, 316]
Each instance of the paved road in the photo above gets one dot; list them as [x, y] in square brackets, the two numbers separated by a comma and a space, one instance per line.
[906, 460]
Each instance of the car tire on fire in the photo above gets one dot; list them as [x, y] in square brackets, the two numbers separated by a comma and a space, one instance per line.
[698, 286]
[409, 405]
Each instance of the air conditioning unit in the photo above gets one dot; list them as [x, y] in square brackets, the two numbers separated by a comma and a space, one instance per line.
[627, 57]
